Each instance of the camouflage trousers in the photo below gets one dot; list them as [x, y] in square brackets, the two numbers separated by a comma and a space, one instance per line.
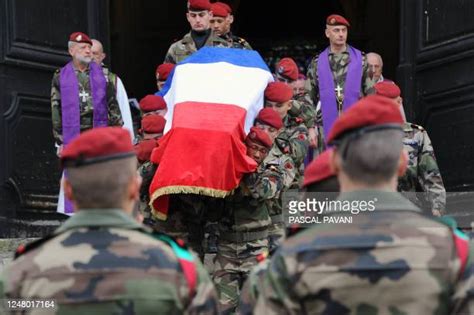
[276, 235]
[187, 217]
[234, 261]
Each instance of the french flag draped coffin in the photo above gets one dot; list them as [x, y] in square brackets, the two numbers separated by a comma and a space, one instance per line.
[213, 97]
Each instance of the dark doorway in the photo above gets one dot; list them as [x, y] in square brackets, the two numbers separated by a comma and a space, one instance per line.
[142, 31]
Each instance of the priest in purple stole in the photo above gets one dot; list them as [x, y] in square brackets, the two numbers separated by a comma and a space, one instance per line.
[337, 77]
[81, 98]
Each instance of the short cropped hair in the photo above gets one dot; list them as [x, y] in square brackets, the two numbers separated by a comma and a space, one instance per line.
[372, 158]
[102, 185]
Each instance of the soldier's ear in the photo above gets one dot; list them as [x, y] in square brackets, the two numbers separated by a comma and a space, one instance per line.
[68, 192]
[326, 31]
[334, 162]
[134, 187]
[402, 163]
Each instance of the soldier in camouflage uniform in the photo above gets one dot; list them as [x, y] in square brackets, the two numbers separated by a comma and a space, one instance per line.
[318, 177]
[278, 95]
[339, 61]
[286, 70]
[221, 23]
[423, 173]
[243, 228]
[153, 107]
[292, 141]
[269, 121]
[390, 260]
[102, 261]
[80, 50]
[201, 35]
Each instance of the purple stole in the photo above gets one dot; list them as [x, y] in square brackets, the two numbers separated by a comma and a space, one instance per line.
[70, 107]
[327, 94]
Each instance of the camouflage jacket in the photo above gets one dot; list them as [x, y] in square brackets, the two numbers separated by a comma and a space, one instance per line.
[279, 154]
[104, 262]
[247, 209]
[423, 173]
[146, 170]
[290, 172]
[394, 249]
[85, 103]
[339, 64]
[236, 41]
[183, 48]
[296, 134]
[303, 107]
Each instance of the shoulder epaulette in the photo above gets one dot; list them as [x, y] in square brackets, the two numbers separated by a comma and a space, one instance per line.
[461, 241]
[185, 258]
[24, 248]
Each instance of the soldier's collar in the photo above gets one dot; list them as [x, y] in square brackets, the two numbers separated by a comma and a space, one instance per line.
[346, 51]
[100, 218]
[187, 38]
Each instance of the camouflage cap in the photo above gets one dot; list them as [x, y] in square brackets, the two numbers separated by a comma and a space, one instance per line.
[80, 37]
[371, 113]
[152, 102]
[335, 19]
[319, 169]
[279, 92]
[388, 89]
[98, 145]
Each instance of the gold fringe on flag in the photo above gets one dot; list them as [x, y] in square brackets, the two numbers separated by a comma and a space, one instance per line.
[173, 190]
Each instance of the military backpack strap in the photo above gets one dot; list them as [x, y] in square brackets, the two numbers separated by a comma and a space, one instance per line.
[185, 258]
[461, 242]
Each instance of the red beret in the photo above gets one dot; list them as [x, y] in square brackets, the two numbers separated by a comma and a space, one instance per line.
[164, 70]
[279, 92]
[372, 110]
[151, 103]
[287, 68]
[259, 136]
[226, 6]
[199, 5]
[79, 37]
[98, 145]
[220, 9]
[388, 89]
[319, 169]
[153, 124]
[335, 19]
[270, 117]
[144, 148]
